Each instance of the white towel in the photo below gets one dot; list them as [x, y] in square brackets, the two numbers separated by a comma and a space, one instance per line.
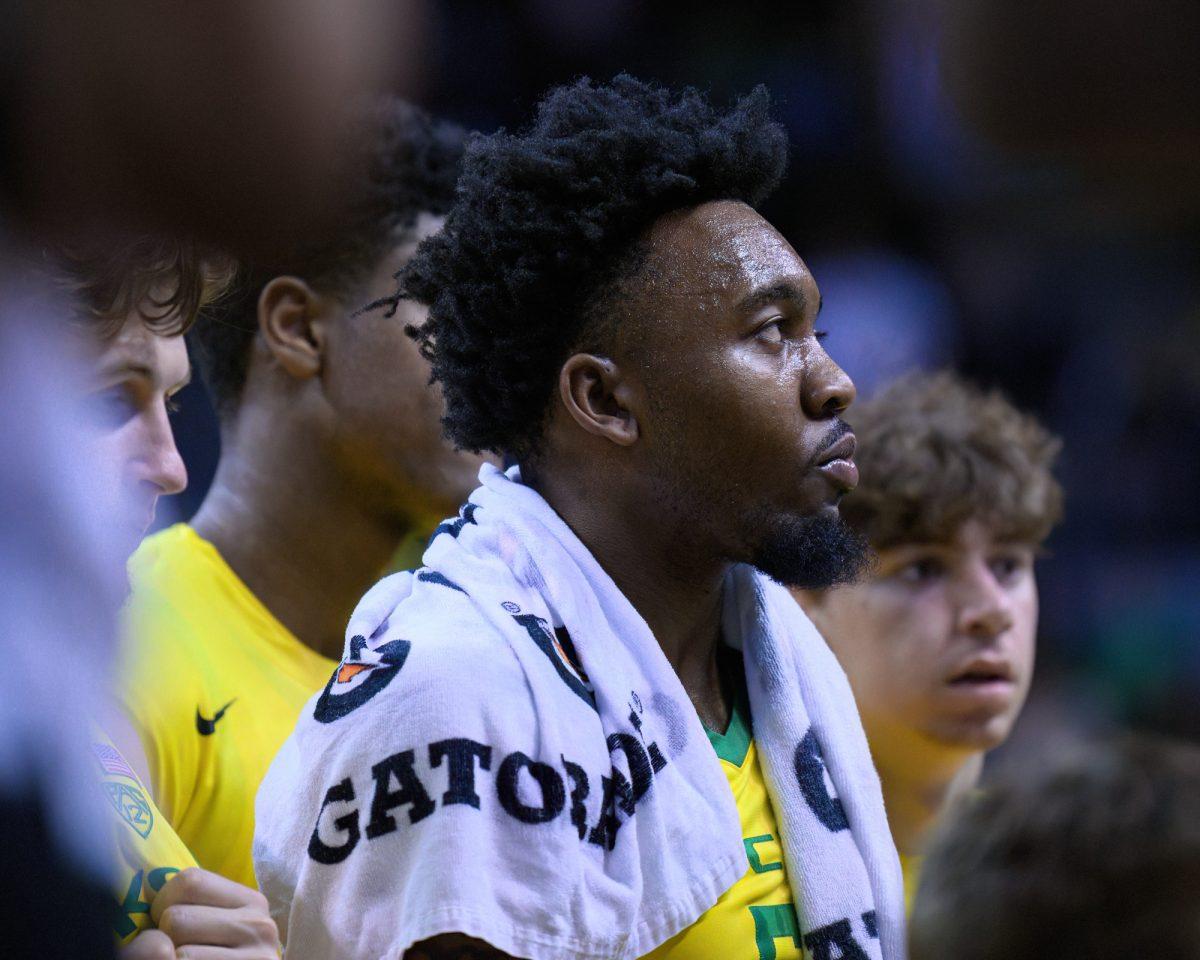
[505, 752]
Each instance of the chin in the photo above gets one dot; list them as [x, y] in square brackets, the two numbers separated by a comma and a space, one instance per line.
[811, 551]
[974, 734]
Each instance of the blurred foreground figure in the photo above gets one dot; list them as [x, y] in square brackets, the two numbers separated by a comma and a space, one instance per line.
[62, 584]
[956, 496]
[587, 726]
[221, 120]
[331, 454]
[1093, 857]
[214, 119]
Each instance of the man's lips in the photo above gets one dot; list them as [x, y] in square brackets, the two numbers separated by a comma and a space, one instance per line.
[988, 679]
[837, 462]
[982, 670]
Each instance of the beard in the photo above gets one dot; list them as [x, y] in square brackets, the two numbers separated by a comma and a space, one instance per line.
[811, 552]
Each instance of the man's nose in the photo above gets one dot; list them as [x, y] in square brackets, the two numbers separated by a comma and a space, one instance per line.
[828, 389]
[985, 609]
[160, 463]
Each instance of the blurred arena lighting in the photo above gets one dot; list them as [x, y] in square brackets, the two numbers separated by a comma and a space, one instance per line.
[1111, 88]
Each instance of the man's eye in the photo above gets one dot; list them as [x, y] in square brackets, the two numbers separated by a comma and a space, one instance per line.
[770, 332]
[1005, 568]
[921, 571]
[111, 407]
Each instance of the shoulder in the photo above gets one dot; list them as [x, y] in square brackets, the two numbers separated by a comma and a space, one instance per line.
[173, 576]
[183, 600]
[163, 656]
[161, 554]
[418, 639]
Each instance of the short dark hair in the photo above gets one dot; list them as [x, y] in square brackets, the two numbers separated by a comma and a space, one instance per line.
[546, 223]
[411, 166]
[936, 451]
[1095, 856]
[167, 281]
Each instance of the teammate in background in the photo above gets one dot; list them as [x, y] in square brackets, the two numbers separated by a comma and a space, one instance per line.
[512, 758]
[1093, 856]
[956, 497]
[331, 455]
[135, 301]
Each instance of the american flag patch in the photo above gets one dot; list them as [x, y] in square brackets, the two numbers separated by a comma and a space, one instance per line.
[112, 762]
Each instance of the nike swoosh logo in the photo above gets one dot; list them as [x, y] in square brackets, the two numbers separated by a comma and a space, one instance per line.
[206, 727]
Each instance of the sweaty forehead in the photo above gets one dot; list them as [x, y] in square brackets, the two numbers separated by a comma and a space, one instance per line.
[721, 251]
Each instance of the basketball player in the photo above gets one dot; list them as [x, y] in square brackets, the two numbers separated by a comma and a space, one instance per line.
[956, 497]
[135, 301]
[608, 310]
[331, 457]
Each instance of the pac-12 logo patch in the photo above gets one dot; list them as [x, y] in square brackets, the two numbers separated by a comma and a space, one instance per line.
[131, 806]
[360, 675]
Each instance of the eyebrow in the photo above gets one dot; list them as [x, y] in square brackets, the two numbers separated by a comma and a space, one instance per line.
[126, 367]
[785, 292]
[123, 367]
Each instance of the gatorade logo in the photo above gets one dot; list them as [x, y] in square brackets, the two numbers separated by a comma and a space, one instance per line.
[360, 675]
[559, 650]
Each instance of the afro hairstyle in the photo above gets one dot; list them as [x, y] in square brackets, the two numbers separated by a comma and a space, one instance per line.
[546, 227]
[411, 164]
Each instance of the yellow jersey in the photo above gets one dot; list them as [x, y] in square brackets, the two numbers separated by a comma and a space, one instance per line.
[755, 919]
[147, 852]
[214, 684]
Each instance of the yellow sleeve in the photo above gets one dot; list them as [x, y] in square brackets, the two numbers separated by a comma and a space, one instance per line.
[160, 686]
[147, 852]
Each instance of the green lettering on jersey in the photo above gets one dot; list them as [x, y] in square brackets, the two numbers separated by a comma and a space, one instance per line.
[156, 878]
[133, 903]
[756, 864]
[771, 923]
[123, 922]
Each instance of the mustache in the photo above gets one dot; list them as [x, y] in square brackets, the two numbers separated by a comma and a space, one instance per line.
[839, 429]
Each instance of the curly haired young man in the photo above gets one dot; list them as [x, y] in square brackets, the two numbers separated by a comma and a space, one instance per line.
[588, 726]
[956, 496]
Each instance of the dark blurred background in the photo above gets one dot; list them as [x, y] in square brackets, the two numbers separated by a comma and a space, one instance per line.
[1002, 187]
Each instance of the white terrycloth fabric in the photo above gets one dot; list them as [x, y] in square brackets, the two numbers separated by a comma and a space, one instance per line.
[505, 752]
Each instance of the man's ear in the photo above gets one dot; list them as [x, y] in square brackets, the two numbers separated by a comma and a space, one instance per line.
[288, 318]
[599, 398]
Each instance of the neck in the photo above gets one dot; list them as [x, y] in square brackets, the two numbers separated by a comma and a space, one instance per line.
[672, 583]
[296, 534]
[917, 789]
